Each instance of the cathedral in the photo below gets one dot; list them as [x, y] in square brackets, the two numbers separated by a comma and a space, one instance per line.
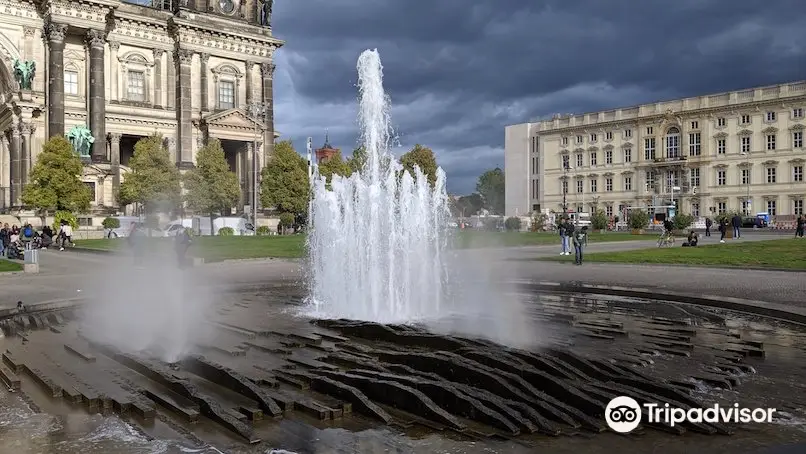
[106, 73]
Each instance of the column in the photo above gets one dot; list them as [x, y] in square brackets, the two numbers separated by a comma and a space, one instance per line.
[14, 140]
[5, 168]
[203, 90]
[239, 172]
[114, 65]
[170, 102]
[97, 108]
[250, 175]
[267, 72]
[249, 66]
[114, 142]
[27, 130]
[158, 77]
[184, 112]
[56, 78]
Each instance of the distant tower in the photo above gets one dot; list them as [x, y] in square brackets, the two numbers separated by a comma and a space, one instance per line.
[326, 152]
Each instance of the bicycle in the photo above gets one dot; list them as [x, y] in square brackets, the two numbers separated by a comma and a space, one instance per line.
[666, 239]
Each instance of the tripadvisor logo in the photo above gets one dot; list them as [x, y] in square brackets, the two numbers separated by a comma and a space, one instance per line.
[623, 414]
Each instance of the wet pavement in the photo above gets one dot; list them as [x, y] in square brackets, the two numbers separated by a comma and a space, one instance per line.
[256, 377]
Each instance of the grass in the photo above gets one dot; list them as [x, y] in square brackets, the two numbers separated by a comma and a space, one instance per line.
[8, 266]
[476, 239]
[782, 254]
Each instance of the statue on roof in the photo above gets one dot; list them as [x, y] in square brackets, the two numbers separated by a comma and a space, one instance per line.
[265, 12]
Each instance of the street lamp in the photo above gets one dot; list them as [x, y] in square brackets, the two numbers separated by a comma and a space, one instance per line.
[747, 197]
[258, 111]
[566, 168]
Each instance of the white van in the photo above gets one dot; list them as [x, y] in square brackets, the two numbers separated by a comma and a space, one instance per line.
[580, 219]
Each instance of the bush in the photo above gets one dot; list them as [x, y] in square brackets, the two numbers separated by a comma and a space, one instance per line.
[599, 220]
[638, 219]
[287, 220]
[538, 222]
[512, 224]
[226, 231]
[60, 216]
[263, 230]
[682, 221]
[111, 223]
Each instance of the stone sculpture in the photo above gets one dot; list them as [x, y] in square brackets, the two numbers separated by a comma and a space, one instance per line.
[265, 12]
[81, 138]
[24, 72]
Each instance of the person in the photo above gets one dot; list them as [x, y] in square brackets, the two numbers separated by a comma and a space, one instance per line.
[5, 234]
[692, 239]
[736, 221]
[66, 234]
[723, 228]
[564, 238]
[182, 242]
[580, 241]
[668, 226]
[799, 227]
[708, 224]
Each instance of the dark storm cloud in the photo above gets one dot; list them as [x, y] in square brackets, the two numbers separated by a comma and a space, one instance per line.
[459, 71]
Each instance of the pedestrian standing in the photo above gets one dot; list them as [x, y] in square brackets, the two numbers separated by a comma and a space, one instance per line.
[182, 243]
[737, 223]
[723, 228]
[580, 241]
[564, 237]
[799, 227]
[708, 224]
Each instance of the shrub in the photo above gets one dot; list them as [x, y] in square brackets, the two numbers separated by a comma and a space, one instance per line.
[638, 219]
[682, 221]
[60, 216]
[226, 231]
[512, 224]
[263, 230]
[287, 220]
[599, 220]
[538, 222]
[111, 223]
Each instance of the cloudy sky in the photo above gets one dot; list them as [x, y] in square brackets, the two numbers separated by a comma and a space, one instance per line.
[458, 71]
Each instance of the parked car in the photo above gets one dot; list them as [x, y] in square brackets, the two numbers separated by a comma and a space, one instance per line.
[749, 222]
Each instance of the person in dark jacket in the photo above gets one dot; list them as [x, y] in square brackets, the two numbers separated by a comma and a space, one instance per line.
[580, 238]
[182, 242]
[736, 221]
[565, 236]
[799, 227]
[723, 229]
[708, 224]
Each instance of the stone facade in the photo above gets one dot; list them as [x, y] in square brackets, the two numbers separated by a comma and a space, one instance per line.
[186, 71]
[737, 151]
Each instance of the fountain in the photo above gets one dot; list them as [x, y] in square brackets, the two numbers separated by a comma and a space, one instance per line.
[378, 240]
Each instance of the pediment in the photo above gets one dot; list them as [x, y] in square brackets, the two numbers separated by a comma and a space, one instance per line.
[770, 130]
[608, 147]
[72, 55]
[579, 150]
[563, 152]
[770, 163]
[721, 135]
[797, 127]
[232, 119]
[608, 174]
[745, 132]
[626, 145]
[593, 148]
[797, 161]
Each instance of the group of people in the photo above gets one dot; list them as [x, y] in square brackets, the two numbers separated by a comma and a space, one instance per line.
[570, 234]
[14, 240]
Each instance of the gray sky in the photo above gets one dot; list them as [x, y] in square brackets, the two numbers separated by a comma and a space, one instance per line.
[458, 71]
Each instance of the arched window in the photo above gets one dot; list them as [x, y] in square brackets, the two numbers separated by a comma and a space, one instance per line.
[673, 143]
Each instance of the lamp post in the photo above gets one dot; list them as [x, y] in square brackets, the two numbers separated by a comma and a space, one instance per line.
[747, 196]
[675, 188]
[258, 111]
[566, 168]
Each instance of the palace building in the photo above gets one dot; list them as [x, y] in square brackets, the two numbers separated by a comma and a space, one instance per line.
[738, 151]
[189, 70]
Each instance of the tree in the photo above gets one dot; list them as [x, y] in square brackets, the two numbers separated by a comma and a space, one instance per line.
[211, 186]
[491, 188]
[357, 160]
[154, 181]
[285, 182]
[55, 183]
[422, 157]
[335, 166]
[468, 205]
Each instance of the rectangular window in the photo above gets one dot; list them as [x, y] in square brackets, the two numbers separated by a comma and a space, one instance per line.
[628, 183]
[672, 145]
[609, 157]
[71, 83]
[694, 177]
[579, 209]
[797, 139]
[580, 186]
[627, 155]
[534, 145]
[771, 116]
[721, 146]
[721, 178]
[579, 139]
[609, 211]
[694, 148]
[721, 122]
[649, 148]
[226, 95]
[650, 180]
[566, 162]
[771, 207]
[565, 187]
[745, 120]
[797, 112]
[771, 175]
[609, 184]
[797, 207]
[746, 144]
[579, 160]
[695, 210]
[771, 141]
[695, 125]
[745, 176]
[565, 141]
[609, 135]
[627, 133]
[650, 130]
[721, 207]
[593, 158]
[594, 185]
[594, 137]
[797, 173]
[136, 89]
[746, 207]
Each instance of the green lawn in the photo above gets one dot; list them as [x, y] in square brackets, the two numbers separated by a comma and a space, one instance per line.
[8, 265]
[784, 254]
[476, 239]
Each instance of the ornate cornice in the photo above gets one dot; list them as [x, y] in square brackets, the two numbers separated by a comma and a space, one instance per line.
[770, 130]
[579, 150]
[608, 147]
[626, 145]
[721, 135]
[745, 132]
[797, 127]
[593, 148]
[770, 162]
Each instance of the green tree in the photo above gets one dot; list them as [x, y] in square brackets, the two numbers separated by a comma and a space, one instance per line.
[55, 181]
[468, 205]
[422, 157]
[285, 182]
[154, 181]
[357, 160]
[335, 166]
[491, 189]
[211, 187]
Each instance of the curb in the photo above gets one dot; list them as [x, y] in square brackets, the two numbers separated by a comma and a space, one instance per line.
[784, 312]
[550, 259]
[43, 306]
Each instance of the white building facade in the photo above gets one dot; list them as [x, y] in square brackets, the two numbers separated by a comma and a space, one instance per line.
[738, 151]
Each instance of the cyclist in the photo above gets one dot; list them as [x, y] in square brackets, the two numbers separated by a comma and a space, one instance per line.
[668, 227]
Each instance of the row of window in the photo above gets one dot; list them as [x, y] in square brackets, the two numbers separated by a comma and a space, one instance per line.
[720, 208]
[136, 88]
[744, 120]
